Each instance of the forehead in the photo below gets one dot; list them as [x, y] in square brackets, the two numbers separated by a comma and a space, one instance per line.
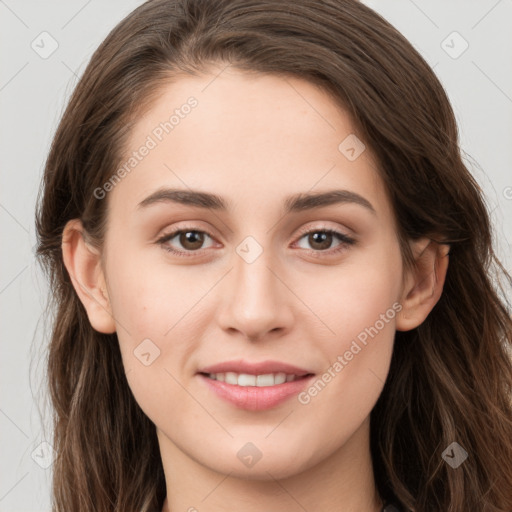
[244, 135]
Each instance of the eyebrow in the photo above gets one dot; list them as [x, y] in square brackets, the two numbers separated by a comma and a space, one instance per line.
[296, 203]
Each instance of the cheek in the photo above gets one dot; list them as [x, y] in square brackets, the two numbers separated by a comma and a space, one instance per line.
[156, 312]
[150, 312]
[353, 296]
[146, 299]
[359, 304]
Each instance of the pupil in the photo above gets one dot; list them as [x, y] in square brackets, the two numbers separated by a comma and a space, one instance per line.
[191, 239]
[323, 239]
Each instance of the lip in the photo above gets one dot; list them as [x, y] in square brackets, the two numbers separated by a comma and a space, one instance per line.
[259, 368]
[255, 398]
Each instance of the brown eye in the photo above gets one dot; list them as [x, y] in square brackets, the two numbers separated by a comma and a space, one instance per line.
[183, 241]
[191, 240]
[320, 240]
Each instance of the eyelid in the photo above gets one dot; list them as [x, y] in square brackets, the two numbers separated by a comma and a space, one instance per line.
[304, 230]
[344, 238]
[191, 226]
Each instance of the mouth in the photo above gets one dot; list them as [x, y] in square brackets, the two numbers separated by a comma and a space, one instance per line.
[255, 386]
[262, 380]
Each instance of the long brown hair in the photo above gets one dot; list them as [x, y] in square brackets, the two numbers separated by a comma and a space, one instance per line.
[450, 378]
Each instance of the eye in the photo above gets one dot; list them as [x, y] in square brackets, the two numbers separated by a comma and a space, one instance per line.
[190, 239]
[321, 240]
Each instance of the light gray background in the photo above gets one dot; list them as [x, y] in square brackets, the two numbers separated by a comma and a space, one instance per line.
[33, 92]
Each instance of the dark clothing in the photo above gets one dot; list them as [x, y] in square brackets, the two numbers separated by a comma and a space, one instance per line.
[390, 508]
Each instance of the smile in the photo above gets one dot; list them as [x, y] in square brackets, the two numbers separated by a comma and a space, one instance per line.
[254, 392]
[245, 379]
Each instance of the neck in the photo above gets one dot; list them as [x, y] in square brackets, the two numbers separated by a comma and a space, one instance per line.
[343, 482]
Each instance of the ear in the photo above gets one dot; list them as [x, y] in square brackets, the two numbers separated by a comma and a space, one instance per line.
[83, 263]
[423, 284]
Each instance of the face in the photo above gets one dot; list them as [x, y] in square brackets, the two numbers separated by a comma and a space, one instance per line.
[255, 280]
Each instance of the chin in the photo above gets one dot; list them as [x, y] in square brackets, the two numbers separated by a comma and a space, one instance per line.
[265, 465]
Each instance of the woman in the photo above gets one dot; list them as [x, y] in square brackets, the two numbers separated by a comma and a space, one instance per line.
[272, 273]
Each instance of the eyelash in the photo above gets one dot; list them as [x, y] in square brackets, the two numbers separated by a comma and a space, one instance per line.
[343, 238]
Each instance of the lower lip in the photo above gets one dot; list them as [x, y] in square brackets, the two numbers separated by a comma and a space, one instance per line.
[254, 398]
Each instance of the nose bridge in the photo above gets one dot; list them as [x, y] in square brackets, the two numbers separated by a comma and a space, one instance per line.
[254, 300]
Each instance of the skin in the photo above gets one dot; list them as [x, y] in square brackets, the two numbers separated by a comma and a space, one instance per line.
[254, 140]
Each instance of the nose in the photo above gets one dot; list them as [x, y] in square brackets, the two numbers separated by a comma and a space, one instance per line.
[255, 300]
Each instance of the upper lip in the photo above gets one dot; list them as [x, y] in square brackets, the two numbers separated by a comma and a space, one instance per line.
[259, 368]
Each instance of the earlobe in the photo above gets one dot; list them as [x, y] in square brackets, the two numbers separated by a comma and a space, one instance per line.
[423, 284]
[83, 264]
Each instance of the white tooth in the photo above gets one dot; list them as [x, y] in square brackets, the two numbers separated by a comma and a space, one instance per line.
[231, 378]
[279, 378]
[245, 379]
[265, 380]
